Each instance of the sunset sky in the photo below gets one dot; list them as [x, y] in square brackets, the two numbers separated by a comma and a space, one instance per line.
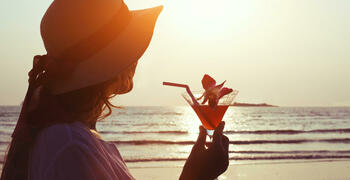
[282, 52]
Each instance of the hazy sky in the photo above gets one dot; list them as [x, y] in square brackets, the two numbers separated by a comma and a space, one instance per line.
[289, 53]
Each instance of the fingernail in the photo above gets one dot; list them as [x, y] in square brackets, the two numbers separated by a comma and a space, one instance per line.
[222, 124]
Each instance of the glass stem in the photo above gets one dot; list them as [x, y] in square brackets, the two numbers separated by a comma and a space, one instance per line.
[210, 133]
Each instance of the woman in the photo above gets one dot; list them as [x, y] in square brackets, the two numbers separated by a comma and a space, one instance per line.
[92, 53]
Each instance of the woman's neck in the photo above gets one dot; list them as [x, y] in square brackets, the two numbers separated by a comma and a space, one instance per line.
[87, 121]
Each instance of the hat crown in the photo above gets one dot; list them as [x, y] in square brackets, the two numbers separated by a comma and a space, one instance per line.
[67, 22]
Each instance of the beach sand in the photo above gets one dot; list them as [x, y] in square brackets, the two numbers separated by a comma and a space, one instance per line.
[327, 170]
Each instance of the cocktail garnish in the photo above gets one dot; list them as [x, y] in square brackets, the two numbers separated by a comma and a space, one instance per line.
[213, 92]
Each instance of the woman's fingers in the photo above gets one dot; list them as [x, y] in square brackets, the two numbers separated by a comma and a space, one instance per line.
[225, 143]
[217, 141]
[201, 138]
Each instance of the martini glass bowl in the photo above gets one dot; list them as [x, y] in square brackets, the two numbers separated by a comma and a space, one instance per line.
[210, 117]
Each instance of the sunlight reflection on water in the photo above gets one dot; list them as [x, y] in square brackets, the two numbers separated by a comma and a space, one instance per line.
[190, 121]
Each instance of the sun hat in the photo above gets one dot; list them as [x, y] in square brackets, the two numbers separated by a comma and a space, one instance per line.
[91, 41]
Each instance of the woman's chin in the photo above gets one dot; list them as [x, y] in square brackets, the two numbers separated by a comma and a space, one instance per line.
[127, 90]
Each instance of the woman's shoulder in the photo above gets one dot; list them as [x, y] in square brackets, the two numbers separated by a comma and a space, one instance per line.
[59, 144]
[67, 130]
[59, 136]
[56, 132]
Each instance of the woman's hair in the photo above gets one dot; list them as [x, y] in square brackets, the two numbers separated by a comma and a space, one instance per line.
[88, 105]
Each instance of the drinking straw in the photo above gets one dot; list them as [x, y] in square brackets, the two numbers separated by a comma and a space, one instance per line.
[195, 102]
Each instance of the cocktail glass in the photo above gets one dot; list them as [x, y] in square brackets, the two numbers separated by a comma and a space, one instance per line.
[210, 116]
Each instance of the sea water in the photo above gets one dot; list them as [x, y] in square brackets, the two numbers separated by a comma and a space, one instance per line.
[164, 136]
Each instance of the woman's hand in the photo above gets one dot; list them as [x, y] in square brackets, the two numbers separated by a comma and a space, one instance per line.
[207, 163]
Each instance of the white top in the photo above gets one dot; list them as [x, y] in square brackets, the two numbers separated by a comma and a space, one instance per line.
[72, 151]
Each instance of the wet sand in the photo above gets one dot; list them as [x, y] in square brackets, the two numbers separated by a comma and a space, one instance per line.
[328, 170]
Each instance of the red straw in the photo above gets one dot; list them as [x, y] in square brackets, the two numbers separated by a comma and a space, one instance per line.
[195, 102]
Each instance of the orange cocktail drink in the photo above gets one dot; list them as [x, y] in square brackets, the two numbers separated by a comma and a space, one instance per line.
[210, 116]
[213, 117]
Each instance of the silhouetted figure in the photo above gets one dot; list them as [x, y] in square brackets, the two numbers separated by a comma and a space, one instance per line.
[92, 51]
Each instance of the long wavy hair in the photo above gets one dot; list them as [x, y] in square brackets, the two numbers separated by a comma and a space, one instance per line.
[88, 105]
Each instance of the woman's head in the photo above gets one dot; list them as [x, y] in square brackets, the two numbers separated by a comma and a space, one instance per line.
[99, 38]
[89, 104]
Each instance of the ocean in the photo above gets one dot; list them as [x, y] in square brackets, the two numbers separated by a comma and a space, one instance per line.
[164, 136]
